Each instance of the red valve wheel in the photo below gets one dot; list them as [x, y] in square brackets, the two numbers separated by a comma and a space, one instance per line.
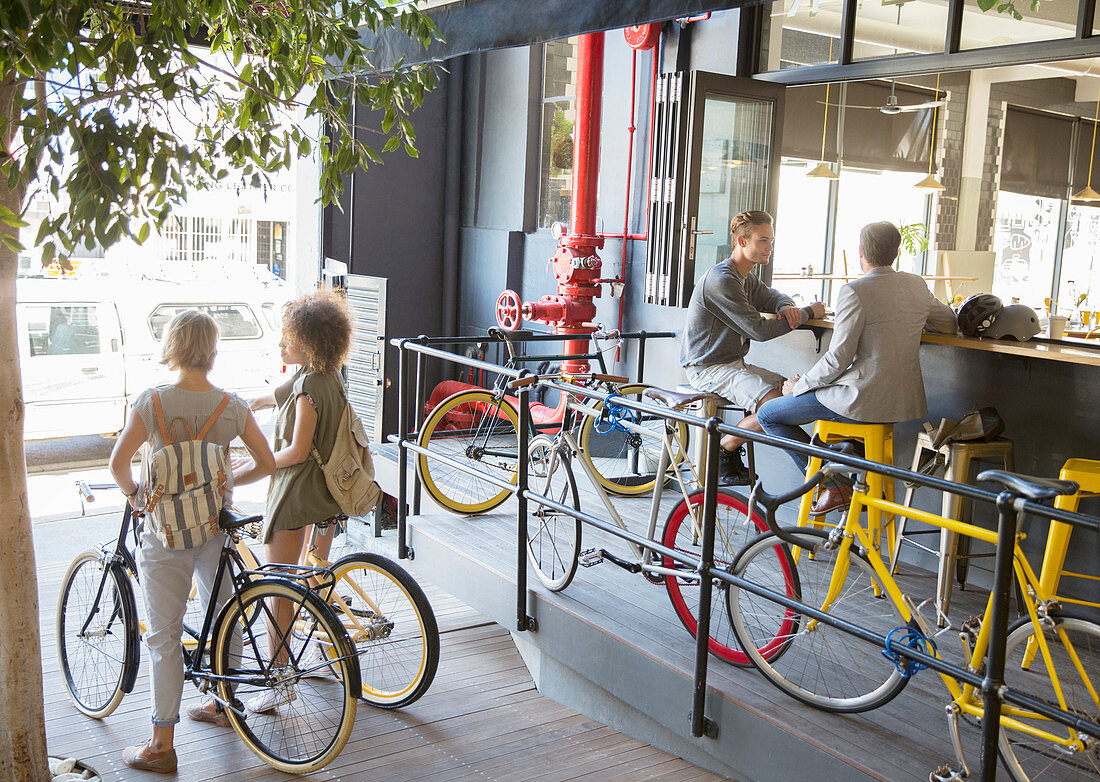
[508, 310]
[643, 36]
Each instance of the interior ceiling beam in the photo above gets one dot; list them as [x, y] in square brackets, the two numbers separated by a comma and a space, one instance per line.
[482, 25]
[971, 59]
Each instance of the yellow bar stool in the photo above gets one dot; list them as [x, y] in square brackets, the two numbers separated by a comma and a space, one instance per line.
[1086, 472]
[957, 458]
[878, 446]
[709, 406]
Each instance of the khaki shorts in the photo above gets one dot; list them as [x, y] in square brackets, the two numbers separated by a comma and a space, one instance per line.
[743, 384]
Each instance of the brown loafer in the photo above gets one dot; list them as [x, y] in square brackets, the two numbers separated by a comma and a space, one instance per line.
[200, 713]
[831, 499]
[145, 759]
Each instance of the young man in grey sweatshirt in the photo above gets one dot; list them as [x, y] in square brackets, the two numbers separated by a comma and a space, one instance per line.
[724, 314]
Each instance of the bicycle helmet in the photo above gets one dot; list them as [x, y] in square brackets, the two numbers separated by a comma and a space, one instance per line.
[978, 313]
[1015, 320]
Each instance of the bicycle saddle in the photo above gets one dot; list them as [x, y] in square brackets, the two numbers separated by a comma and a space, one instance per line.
[1029, 487]
[674, 399]
[230, 519]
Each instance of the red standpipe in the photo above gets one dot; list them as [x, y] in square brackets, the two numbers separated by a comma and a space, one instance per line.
[576, 263]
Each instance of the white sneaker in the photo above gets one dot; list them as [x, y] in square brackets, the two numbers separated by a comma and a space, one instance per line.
[279, 695]
[314, 664]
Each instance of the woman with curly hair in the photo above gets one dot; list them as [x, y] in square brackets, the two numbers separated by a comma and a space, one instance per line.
[316, 337]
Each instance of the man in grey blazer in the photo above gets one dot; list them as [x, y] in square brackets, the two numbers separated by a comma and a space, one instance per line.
[871, 372]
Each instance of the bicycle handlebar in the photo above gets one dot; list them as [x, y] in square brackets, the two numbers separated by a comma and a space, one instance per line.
[769, 502]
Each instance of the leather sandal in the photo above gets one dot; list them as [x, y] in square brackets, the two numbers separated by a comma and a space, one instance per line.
[145, 759]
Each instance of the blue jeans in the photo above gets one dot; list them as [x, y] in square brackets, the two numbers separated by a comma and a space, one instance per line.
[781, 418]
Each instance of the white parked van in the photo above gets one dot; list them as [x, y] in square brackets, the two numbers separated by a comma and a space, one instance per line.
[88, 347]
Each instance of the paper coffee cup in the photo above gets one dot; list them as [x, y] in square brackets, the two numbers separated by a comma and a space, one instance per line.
[1057, 326]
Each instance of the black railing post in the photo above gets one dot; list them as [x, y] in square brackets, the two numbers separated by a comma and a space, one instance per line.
[998, 628]
[418, 412]
[700, 725]
[403, 453]
[523, 395]
[641, 355]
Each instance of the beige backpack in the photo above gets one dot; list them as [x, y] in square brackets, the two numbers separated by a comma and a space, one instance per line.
[349, 471]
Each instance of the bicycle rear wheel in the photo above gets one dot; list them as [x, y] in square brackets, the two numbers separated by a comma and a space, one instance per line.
[1069, 635]
[313, 716]
[553, 537]
[391, 624]
[733, 530]
[626, 462]
[812, 661]
[97, 639]
[475, 428]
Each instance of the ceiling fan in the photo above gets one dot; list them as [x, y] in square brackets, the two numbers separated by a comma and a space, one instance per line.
[893, 107]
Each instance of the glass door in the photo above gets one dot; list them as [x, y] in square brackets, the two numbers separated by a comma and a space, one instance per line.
[730, 163]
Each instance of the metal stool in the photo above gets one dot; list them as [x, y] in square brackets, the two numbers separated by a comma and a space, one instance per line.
[710, 405]
[954, 552]
[878, 446]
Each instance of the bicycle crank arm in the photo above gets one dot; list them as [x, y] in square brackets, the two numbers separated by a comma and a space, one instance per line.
[956, 741]
[593, 557]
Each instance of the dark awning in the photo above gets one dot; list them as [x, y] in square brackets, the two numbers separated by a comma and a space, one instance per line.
[480, 25]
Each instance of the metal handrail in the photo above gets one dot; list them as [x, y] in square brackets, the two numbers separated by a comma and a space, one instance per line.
[991, 684]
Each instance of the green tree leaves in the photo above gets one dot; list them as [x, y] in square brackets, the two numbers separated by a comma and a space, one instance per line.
[118, 110]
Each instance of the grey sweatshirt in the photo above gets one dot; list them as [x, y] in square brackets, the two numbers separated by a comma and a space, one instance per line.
[724, 314]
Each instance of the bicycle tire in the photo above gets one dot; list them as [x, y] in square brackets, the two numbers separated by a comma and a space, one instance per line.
[307, 730]
[553, 537]
[391, 624]
[623, 462]
[734, 530]
[1030, 759]
[818, 664]
[99, 666]
[463, 426]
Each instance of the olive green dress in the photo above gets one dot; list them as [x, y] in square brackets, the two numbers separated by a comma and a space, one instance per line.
[297, 495]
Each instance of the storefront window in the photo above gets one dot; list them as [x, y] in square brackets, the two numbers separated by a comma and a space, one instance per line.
[798, 33]
[801, 225]
[869, 196]
[1079, 287]
[1037, 22]
[559, 93]
[1025, 240]
[897, 29]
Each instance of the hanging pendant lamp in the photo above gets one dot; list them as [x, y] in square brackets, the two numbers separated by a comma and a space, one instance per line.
[930, 182]
[822, 169]
[1088, 194]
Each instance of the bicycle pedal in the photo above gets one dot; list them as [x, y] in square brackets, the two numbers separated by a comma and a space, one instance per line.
[947, 774]
[590, 558]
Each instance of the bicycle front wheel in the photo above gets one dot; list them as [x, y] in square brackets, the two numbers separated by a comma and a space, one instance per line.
[391, 624]
[625, 463]
[97, 639]
[473, 428]
[809, 660]
[312, 717]
[1073, 641]
[733, 530]
[553, 537]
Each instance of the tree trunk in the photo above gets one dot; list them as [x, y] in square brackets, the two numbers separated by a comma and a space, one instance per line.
[23, 740]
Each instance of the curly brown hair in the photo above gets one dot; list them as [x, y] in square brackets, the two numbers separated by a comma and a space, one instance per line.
[319, 325]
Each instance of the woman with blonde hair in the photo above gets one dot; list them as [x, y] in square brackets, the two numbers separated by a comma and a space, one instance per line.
[190, 345]
[316, 337]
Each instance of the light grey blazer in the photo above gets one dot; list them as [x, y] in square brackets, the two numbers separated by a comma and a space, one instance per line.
[871, 371]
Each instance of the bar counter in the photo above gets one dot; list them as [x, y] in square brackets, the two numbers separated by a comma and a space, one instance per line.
[1072, 350]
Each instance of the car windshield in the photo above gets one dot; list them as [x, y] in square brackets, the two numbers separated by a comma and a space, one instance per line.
[235, 321]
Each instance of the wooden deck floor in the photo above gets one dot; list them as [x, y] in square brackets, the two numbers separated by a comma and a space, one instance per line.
[482, 719]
